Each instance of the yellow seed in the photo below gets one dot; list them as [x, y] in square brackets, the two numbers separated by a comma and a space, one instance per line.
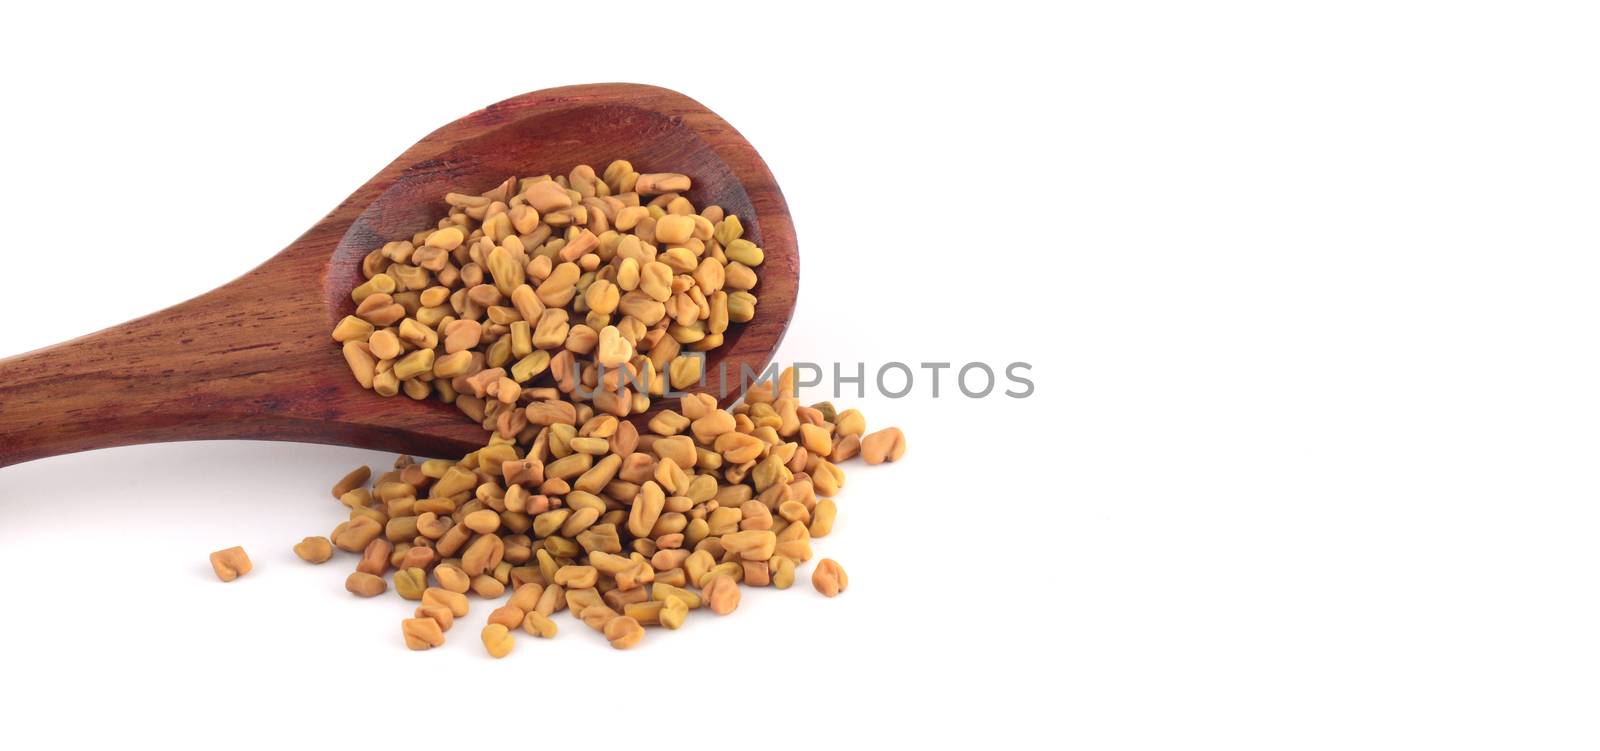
[411, 583]
[623, 632]
[849, 422]
[673, 612]
[352, 329]
[422, 633]
[886, 445]
[314, 549]
[782, 572]
[657, 183]
[745, 252]
[822, 517]
[539, 625]
[448, 238]
[741, 306]
[829, 577]
[414, 364]
[674, 230]
[497, 640]
[363, 584]
[230, 564]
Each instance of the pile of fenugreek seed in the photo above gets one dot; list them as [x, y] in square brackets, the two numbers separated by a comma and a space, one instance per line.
[519, 297]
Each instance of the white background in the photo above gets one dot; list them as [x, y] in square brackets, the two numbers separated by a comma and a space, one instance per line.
[1309, 290]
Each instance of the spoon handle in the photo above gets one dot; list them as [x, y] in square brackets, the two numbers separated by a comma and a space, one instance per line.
[192, 371]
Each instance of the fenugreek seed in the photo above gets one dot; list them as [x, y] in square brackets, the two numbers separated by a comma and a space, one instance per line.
[440, 615]
[827, 478]
[553, 599]
[448, 238]
[672, 613]
[656, 183]
[845, 448]
[362, 364]
[364, 584]
[756, 573]
[816, 439]
[354, 479]
[417, 556]
[741, 306]
[822, 517]
[497, 640]
[738, 276]
[829, 577]
[352, 329]
[421, 633]
[509, 616]
[646, 510]
[454, 601]
[655, 280]
[558, 288]
[613, 351]
[782, 570]
[886, 445]
[482, 555]
[730, 569]
[539, 625]
[356, 534]
[526, 596]
[663, 591]
[745, 252]
[453, 365]
[794, 541]
[487, 587]
[375, 557]
[721, 594]
[230, 564]
[576, 577]
[591, 446]
[462, 335]
[848, 422]
[410, 583]
[483, 522]
[314, 549]
[751, 545]
[623, 632]
[547, 196]
[674, 230]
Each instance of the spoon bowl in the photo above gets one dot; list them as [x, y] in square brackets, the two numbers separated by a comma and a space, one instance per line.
[253, 359]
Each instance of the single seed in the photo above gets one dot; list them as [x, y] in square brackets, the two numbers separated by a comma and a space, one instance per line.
[483, 522]
[497, 640]
[410, 583]
[314, 549]
[539, 625]
[721, 594]
[363, 584]
[422, 633]
[230, 564]
[829, 577]
[623, 632]
[886, 445]
[356, 478]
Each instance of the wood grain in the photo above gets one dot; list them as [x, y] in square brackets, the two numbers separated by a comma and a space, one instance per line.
[253, 359]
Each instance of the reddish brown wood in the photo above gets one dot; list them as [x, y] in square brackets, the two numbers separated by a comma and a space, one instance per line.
[253, 358]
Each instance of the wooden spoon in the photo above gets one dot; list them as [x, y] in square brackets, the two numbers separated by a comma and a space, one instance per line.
[253, 359]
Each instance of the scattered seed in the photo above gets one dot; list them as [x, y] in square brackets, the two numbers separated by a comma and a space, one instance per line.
[829, 577]
[314, 549]
[497, 640]
[230, 564]
[363, 584]
[422, 633]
